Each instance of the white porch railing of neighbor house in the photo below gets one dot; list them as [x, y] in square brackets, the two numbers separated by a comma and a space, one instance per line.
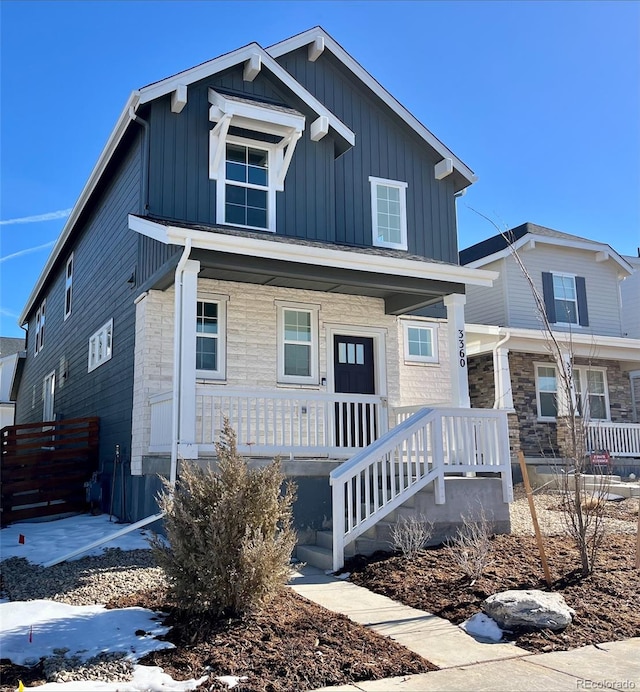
[619, 439]
[421, 449]
[277, 422]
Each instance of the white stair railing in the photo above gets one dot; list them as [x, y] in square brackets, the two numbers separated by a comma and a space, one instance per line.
[421, 450]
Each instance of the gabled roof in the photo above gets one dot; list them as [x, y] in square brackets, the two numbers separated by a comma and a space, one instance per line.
[10, 345]
[178, 84]
[500, 245]
[318, 39]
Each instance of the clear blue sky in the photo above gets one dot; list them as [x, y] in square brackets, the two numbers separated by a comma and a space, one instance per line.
[540, 99]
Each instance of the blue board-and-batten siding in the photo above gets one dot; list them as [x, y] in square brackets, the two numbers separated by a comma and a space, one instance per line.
[386, 147]
[105, 256]
[325, 198]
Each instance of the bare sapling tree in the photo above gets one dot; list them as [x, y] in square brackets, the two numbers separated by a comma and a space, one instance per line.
[583, 509]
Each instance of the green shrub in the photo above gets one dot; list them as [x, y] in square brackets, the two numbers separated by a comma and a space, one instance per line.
[230, 535]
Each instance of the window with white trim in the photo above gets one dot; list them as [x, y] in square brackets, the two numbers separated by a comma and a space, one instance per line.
[101, 346]
[297, 344]
[210, 339]
[248, 194]
[48, 396]
[389, 213]
[546, 392]
[565, 298]
[39, 340]
[591, 390]
[68, 287]
[420, 342]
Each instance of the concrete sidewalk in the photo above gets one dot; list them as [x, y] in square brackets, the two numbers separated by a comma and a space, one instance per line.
[466, 664]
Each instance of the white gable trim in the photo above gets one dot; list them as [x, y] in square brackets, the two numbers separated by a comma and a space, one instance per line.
[328, 257]
[311, 37]
[530, 240]
[241, 55]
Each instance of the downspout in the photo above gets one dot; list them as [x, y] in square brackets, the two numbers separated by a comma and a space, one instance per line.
[177, 361]
[498, 394]
[144, 193]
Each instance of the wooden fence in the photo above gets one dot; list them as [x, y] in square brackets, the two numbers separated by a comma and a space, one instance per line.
[45, 467]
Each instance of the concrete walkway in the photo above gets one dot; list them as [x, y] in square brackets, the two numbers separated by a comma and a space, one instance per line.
[466, 664]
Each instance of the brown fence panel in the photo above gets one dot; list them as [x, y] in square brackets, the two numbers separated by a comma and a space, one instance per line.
[45, 467]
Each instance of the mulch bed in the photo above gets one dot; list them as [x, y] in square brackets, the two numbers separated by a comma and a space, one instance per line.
[291, 645]
[607, 602]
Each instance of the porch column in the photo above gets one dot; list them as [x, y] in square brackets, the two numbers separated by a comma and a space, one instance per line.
[503, 390]
[457, 350]
[187, 362]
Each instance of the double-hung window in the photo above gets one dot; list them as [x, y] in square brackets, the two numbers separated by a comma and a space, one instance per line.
[420, 342]
[40, 315]
[210, 339]
[68, 287]
[297, 343]
[565, 299]
[389, 213]
[246, 191]
[590, 387]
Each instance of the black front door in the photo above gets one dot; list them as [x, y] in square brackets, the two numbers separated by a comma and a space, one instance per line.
[353, 368]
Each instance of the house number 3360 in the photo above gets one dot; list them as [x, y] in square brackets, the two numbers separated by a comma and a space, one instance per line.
[461, 351]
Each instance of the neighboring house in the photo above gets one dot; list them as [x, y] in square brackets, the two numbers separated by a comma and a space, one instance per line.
[630, 294]
[256, 240]
[511, 366]
[10, 351]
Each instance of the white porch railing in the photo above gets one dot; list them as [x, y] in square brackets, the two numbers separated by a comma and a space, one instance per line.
[420, 450]
[277, 422]
[619, 439]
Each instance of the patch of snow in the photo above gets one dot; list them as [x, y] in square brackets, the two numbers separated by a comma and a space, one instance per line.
[30, 630]
[344, 576]
[482, 627]
[44, 541]
[145, 679]
[231, 680]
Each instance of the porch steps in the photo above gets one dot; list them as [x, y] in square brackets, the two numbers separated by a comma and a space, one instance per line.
[592, 482]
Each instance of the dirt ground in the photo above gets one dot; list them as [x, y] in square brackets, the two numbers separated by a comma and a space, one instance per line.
[295, 645]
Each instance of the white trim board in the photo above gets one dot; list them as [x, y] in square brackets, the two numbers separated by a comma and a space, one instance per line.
[328, 257]
[311, 36]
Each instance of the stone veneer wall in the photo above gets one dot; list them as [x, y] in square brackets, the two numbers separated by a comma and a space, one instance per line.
[252, 347]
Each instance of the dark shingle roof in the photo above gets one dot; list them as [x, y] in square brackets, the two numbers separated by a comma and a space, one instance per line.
[10, 345]
[500, 241]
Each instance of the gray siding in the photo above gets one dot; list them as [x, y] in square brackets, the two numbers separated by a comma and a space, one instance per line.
[601, 282]
[488, 305]
[386, 148]
[104, 258]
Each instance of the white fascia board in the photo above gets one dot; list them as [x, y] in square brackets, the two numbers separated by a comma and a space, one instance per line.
[255, 113]
[195, 74]
[482, 338]
[328, 257]
[104, 158]
[531, 240]
[295, 42]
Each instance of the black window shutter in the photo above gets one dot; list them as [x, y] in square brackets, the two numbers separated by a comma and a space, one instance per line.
[547, 294]
[581, 291]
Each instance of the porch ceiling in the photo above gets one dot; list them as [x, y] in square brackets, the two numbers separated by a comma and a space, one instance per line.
[401, 294]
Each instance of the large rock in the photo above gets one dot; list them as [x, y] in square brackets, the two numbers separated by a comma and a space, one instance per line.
[531, 608]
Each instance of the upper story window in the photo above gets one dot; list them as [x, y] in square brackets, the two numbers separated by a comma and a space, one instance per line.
[101, 346]
[248, 197]
[389, 213]
[297, 343]
[420, 342]
[210, 338]
[68, 287]
[39, 340]
[250, 149]
[565, 299]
